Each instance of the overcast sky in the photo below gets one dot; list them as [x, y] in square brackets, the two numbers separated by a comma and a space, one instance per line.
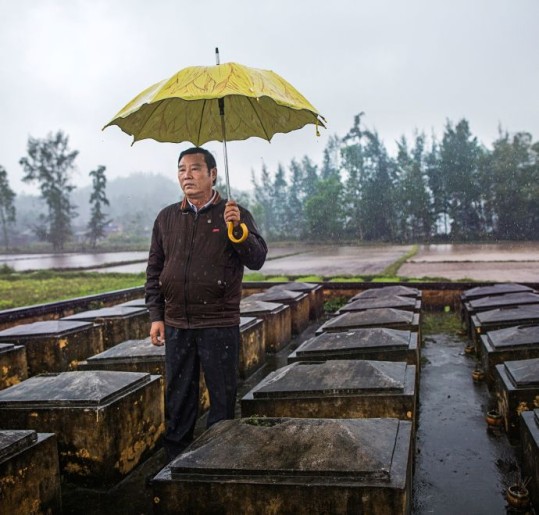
[72, 64]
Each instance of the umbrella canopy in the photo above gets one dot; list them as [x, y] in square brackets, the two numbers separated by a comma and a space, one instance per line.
[258, 103]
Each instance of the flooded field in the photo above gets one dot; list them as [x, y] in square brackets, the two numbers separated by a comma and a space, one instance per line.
[503, 262]
[517, 262]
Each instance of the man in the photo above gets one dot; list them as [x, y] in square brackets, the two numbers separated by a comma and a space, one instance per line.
[193, 291]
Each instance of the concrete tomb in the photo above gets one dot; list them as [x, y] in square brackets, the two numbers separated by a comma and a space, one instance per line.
[13, 365]
[119, 323]
[291, 465]
[491, 320]
[529, 438]
[495, 289]
[507, 344]
[252, 346]
[134, 303]
[139, 356]
[388, 291]
[298, 302]
[335, 389]
[377, 343]
[105, 422]
[55, 345]
[490, 302]
[383, 317]
[315, 292]
[517, 390]
[29, 473]
[390, 301]
[277, 320]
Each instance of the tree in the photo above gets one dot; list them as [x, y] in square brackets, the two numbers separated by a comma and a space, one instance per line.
[353, 164]
[324, 211]
[512, 183]
[7, 206]
[414, 210]
[50, 163]
[263, 194]
[378, 191]
[280, 215]
[98, 199]
[460, 155]
[295, 207]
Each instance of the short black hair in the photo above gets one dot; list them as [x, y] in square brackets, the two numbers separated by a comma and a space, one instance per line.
[208, 156]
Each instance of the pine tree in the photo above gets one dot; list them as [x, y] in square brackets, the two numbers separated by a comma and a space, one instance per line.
[50, 163]
[98, 199]
[7, 206]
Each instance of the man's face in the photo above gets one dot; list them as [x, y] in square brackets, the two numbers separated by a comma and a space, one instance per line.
[195, 179]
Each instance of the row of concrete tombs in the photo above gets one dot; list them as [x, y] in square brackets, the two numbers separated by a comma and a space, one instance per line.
[502, 322]
[399, 380]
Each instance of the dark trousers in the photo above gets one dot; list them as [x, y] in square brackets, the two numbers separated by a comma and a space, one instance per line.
[217, 350]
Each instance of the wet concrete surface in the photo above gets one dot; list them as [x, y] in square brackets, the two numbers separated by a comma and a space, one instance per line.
[460, 467]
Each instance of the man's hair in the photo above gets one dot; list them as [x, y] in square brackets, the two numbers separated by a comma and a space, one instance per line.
[208, 156]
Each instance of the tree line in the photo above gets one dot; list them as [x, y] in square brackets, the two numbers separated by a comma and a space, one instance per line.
[454, 189]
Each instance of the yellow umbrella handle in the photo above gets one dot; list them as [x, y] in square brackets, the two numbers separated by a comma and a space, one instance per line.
[232, 238]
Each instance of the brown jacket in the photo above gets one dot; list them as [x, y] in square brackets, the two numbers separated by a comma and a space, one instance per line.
[194, 272]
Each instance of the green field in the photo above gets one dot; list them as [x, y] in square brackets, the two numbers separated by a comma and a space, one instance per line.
[19, 289]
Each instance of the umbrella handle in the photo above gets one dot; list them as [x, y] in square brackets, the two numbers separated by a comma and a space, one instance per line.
[232, 238]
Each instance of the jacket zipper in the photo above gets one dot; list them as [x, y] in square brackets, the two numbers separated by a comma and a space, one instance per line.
[187, 266]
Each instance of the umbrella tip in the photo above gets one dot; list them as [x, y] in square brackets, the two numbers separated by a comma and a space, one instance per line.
[217, 55]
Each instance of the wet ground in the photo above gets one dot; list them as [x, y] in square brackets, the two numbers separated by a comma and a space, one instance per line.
[460, 468]
[507, 262]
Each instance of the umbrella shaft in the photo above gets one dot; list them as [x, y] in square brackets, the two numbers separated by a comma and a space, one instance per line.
[225, 153]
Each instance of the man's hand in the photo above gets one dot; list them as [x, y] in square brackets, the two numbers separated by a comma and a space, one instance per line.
[157, 333]
[232, 213]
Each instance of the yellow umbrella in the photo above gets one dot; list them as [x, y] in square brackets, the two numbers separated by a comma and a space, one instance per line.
[228, 101]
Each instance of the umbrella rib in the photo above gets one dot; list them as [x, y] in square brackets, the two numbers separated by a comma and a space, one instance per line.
[251, 100]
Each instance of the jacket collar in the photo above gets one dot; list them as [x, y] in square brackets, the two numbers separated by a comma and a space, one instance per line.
[185, 206]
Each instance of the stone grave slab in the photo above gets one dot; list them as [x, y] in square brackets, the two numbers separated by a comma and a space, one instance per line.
[118, 323]
[500, 318]
[517, 389]
[487, 303]
[507, 344]
[134, 303]
[277, 320]
[29, 473]
[105, 422]
[388, 291]
[383, 317]
[13, 364]
[315, 292]
[494, 289]
[377, 343]
[298, 302]
[529, 439]
[390, 301]
[291, 465]
[55, 345]
[335, 389]
[139, 356]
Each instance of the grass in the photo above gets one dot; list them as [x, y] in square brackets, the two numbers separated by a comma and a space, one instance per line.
[392, 269]
[31, 288]
[436, 323]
